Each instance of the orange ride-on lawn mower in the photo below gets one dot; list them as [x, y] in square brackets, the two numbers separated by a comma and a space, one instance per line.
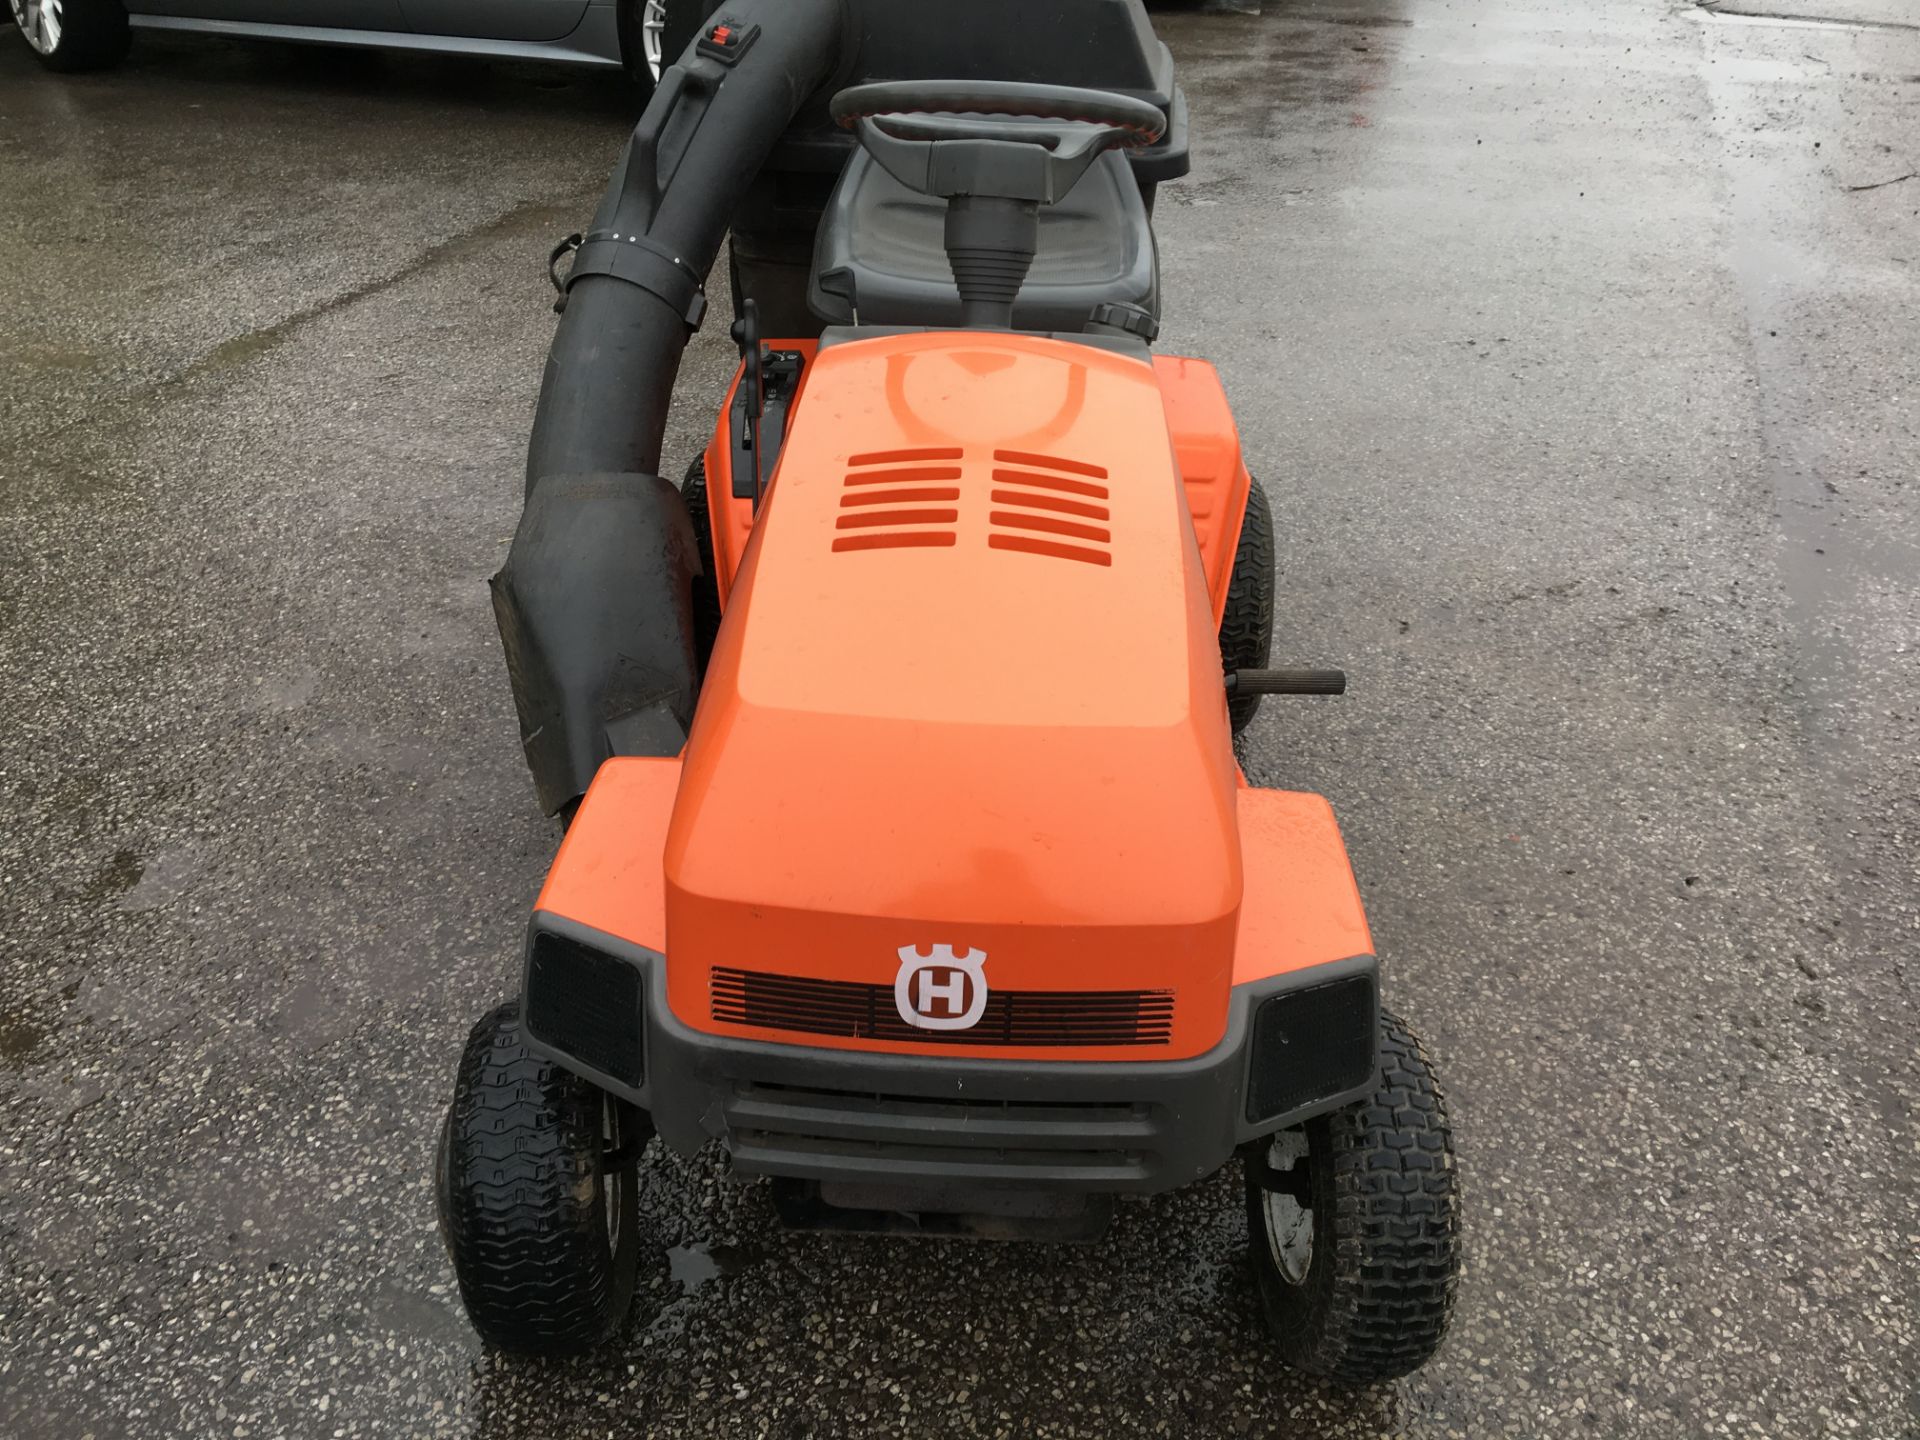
[907, 856]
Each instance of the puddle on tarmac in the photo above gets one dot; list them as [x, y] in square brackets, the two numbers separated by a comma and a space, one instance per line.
[1756, 14]
[20, 1036]
[23, 1032]
[694, 1266]
[63, 482]
[49, 356]
[113, 879]
[162, 880]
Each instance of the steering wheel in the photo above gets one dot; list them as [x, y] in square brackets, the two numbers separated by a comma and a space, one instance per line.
[994, 138]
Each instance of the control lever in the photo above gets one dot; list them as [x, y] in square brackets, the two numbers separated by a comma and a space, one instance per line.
[753, 382]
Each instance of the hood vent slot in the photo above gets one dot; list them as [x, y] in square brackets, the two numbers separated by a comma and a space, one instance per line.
[899, 500]
[1046, 505]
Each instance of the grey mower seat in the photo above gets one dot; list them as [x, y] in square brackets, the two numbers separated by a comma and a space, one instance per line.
[880, 256]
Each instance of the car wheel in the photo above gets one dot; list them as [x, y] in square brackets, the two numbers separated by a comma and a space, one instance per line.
[72, 35]
[653, 33]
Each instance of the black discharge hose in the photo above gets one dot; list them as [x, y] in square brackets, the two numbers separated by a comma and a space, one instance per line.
[634, 294]
[594, 603]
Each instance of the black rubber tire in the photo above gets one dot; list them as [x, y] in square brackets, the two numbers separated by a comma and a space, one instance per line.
[1378, 1289]
[523, 1195]
[94, 35]
[1246, 622]
[706, 587]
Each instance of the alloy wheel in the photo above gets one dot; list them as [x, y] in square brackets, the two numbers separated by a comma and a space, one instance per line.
[653, 35]
[40, 22]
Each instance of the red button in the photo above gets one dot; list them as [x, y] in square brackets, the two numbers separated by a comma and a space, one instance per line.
[722, 34]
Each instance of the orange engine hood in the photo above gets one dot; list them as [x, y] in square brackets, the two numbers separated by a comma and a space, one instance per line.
[967, 692]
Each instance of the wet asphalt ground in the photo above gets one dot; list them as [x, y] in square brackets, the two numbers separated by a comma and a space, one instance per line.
[1580, 363]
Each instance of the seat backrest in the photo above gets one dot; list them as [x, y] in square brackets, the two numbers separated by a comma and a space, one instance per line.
[880, 257]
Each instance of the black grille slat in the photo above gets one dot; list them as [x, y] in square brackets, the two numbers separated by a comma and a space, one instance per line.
[799, 1130]
[879, 1123]
[853, 1010]
[761, 982]
[826, 1159]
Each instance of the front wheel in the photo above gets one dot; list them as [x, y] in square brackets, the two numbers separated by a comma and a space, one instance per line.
[74, 35]
[1354, 1226]
[706, 585]
[536, 1195]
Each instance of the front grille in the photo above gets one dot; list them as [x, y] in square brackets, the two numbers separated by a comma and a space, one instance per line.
[1013, 1017]
[839, 1134]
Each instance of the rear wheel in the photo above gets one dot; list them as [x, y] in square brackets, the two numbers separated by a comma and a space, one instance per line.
[706, 585]
[74, 35]
[1354, 1226]
[1246, 622]
[537, 1197]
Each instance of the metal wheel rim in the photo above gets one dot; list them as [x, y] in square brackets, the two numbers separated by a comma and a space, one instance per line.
[653, 35]
[613, 1183]
[1289, 1224]
[40, 22]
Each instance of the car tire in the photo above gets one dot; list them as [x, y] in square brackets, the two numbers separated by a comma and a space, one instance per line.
[654, 34]
[1357, 1283]
[538, 1203]
[74, 35]
[1246, 621]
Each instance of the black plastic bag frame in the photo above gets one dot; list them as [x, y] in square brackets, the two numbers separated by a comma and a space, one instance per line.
[594, 603]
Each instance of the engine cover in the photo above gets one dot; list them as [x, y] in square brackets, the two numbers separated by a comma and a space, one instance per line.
[960, 774]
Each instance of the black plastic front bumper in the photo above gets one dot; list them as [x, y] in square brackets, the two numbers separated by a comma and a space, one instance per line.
[837, 1115]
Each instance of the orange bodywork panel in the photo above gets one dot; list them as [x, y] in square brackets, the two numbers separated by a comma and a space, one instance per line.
[1206, 446]
[610, 872]
[1206, 443]
[1300, 907]
[967, 694]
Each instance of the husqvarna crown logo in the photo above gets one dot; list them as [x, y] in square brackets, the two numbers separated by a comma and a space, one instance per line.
[941, 990]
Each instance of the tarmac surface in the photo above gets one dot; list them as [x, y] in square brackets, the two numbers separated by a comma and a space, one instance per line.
[1576, 344]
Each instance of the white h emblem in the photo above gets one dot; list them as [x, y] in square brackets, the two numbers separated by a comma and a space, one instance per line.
[941, 990]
